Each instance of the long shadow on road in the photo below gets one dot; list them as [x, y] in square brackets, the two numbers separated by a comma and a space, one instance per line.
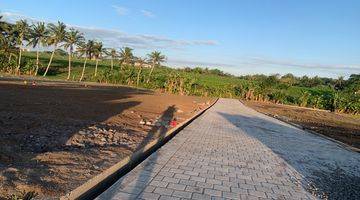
[130, 187]
[332, 169]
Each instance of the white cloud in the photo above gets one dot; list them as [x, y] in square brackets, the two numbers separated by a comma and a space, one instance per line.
[117, 39]
[147, 13]
[121, 10]
[261, 61]
[192, 63]
[266, 65]
[14, 16]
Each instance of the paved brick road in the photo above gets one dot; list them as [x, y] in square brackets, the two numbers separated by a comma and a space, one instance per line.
[233, 152]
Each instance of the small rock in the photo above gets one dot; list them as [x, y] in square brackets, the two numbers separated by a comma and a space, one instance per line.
[142, 122]
[96, 167]
[180, 111]
[82, 132]
[80, 145]
[148, 123]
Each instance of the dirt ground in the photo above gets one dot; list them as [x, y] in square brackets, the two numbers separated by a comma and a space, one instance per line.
[342, 127]
[54, 136]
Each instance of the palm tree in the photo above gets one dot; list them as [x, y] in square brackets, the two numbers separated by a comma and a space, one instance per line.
[4, 28]
[85, 49]
[73, 38]
[126, 56]
[21, 29]
[141, 62]
[38, 36]
[98, 53]
[8, 38]
[2, 24]
[156, 58]
[8, 47]
[57, 35]
[7, 31]
[113, 55]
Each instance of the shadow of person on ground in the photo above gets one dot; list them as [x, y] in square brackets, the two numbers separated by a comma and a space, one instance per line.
[132, 186]
[333, 170]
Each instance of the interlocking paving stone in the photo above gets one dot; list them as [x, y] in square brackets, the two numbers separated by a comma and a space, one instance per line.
[229, 152]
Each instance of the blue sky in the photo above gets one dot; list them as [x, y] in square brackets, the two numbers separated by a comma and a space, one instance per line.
[241, 37]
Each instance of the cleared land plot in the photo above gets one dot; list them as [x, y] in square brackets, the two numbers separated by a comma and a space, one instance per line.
[342, 127]
[54, 136]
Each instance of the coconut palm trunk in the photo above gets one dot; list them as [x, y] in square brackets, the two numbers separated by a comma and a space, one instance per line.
[69, 69]
[51, 58]
[19, 61]
[10, 56]
[151, 71]
[83, 70]
[37, 63]
[138, 75]
[121, 66]
[96, 67]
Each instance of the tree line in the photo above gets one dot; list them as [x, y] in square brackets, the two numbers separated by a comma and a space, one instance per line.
[14, 37]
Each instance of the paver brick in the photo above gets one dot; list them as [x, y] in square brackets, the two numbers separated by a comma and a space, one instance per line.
[187, 182]
[194, 189]
[176, 186]
[182, 194]
[159, 183]
[230, 195]
[171, 180]
[182, 176]
[149, 196]
[164, 197]
[198, 196]
[163, 191]
[257, 193]
[239, 190]
[212, 192]
[204, 185]
[222, 188]
[197, 178]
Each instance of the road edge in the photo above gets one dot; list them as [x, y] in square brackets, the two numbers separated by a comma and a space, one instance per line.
[344, 145]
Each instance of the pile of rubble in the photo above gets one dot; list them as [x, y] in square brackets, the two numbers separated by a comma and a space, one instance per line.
[97, 136]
